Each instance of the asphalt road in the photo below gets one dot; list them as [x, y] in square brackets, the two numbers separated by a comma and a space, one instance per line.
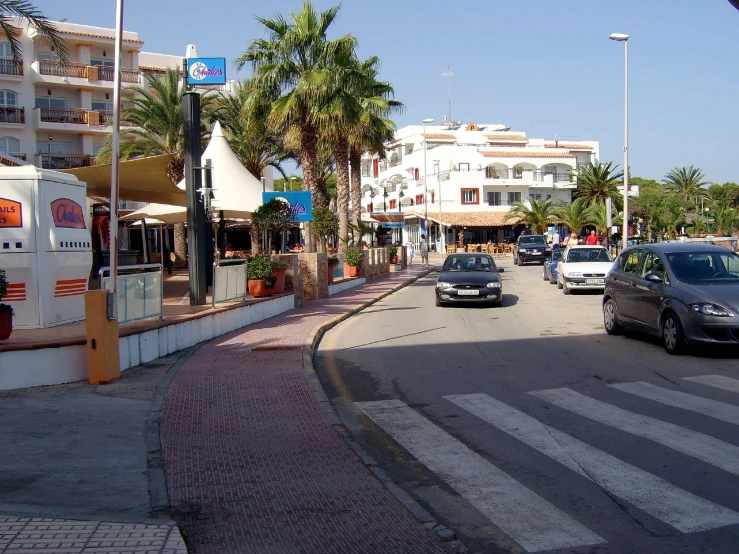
[527, 428]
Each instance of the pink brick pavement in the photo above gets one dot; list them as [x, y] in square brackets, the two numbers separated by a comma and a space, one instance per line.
[253, 464]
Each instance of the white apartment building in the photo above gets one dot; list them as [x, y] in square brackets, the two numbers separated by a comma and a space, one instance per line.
[471, 176]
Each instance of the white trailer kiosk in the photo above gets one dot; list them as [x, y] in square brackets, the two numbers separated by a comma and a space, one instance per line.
[45, 245]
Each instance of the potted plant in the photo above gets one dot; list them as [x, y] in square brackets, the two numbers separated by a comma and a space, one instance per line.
[6, 311]
[259, 273]
[352, 260]
[279, 269]
[333, 261]
[325, 224]
[272, 216]
[392, 251]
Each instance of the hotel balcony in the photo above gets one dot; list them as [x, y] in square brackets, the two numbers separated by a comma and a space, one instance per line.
[11, 67]
[73, 119]
[64, 161]
[485, 177]
[75, 116]
[79, 74]
[10, 158]
[12, 114]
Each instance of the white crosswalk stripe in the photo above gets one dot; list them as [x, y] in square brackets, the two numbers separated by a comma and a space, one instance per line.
[527, 518]
[712, 408]
[677, 507]
[703, 447]
[716, 381]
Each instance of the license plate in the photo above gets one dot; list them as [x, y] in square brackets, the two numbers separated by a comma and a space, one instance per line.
[595, 281]
[536, 252]
[468, 293]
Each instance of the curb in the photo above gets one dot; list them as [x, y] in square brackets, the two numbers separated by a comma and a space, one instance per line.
[311, 342]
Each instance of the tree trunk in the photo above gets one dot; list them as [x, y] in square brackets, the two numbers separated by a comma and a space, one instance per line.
[180, 246]
[255, 239]
[355, 159]
[342, 191]
[308, 161]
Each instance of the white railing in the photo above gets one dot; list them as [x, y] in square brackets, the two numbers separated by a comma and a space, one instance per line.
[140, 291]
[229, 280]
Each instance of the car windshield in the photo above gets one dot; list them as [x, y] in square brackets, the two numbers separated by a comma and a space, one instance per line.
[469, 263]
[588, 255]
[705, 267]
[557, 254]
[528, 241]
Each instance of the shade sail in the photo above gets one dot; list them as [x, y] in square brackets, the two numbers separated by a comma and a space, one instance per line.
[165, 213]
[142, 179]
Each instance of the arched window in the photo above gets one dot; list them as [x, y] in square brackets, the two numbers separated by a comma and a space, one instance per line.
[8, 98]
[9, 145]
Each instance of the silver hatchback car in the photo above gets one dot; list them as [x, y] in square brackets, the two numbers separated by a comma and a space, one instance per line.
[686, 293]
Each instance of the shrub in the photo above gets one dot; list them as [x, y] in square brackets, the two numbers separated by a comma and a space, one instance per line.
[392, 250]
[333, 260]
[353, 255]
[259, 267]
[4, 308]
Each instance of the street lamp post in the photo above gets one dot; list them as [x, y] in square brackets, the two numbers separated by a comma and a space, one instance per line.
[425, 178]
[438, 191]
[620, 37]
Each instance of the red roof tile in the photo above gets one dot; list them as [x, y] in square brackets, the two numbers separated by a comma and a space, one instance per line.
[524, 154]
[568, 145]
[444, 136]
[510, 136]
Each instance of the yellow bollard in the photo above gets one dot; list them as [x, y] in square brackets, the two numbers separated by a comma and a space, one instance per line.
[103, 361]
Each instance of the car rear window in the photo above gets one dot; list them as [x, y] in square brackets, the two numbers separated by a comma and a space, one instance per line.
[531, 240]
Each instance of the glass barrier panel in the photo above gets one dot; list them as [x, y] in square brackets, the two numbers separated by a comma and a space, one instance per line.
[229, 283]
[139, 296]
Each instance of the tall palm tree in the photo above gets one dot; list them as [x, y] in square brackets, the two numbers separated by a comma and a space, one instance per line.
[12, 10]
[538, 214]
[596, 182]
[296, 64]
[599, 218]
[725, 221]
[575, 215]
[687, 184]
[156, 126]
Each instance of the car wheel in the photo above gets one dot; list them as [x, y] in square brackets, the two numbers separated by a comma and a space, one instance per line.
[565, 288]
[515, 260]
[610, 319]
[544, 274]
[672, 335]
[559, 284]
[552, 281]
[438, 302]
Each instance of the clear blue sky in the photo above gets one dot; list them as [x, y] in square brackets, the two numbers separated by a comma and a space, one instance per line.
[539, 66]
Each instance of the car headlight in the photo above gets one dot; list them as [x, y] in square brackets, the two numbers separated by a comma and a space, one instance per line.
[573, 274]
[522, 250]
[442, 285]
[493, 285]
[711, 309]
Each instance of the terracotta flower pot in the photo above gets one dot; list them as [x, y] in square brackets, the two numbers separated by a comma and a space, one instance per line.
[258, 288]
[331, 268]
[279, 274]
[350, 270]
[393, 259]
[6, 325]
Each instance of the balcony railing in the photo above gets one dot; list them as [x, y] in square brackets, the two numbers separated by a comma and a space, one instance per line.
[84, 71]
[7, 161]
[65, 161]
[47, 67]
[11, 67]
[12, 114]
[496, 173]
[107, 73]
[64, 115]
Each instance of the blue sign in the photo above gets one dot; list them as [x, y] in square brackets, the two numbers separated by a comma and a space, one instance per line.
[206, 71]
[300, 203]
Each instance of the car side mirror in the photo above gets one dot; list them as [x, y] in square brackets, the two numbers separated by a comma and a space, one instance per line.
[501, 270]
[437, 268]
[654, 277]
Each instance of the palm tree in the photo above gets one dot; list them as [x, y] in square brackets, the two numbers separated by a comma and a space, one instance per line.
[596, 182]
[599, 218]
[687, 184]
[295, 64]
[11, 10]
[157, 127]
[538, 214]
[725, 220]
[575, 215]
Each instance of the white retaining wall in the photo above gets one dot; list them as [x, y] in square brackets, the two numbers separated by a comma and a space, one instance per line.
[345, 285]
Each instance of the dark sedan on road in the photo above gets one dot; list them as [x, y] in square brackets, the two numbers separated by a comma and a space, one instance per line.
[550, 265]
[469, 278]
[684, 293]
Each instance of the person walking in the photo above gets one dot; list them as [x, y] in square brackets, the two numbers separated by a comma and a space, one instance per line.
[424, 252]
[410, 251]
[573, 240]
[592, 238]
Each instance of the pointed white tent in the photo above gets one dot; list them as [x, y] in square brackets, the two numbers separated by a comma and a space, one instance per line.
[161, 212]
[236, 192]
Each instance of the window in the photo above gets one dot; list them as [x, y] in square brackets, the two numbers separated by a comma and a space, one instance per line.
[47, 57]
[464, 166]
[5, 52]
[96, 148]
[105, 63]
[433, 196]
[494, 199]
[514, 197]
[393, 204]
[53, 147]
[536, 196]
[629, 263]
[369, 208]
[419, 199]
[469, 196]
[652, 264]
[9, 145]
[100, 106]
[49, 102]
[8, 98]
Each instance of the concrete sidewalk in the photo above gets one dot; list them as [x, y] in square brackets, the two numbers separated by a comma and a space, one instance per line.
[252, 459]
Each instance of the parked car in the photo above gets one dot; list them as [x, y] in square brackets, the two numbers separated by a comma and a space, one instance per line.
[550, 265]
[685, 293]
[583, 267]
[531, 248]
[469, 277]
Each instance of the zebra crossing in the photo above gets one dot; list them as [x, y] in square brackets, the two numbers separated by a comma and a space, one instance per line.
[535, 523]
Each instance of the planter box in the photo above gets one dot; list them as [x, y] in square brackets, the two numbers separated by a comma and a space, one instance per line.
[258, 288]
[396, 267]
[6, 325]
[350, 270]
[279, 274]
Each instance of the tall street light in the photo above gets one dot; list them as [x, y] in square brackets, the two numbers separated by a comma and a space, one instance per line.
[438, 191]
[425, 175]
[620, 37]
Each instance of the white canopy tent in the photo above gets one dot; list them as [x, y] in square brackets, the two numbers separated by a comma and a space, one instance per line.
[161, 213]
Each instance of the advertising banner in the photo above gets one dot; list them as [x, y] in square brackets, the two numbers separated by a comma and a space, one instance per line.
[206, 71]
[389, 221]
[300, 203]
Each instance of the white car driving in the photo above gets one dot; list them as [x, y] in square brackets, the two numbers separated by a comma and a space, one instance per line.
[583, 267]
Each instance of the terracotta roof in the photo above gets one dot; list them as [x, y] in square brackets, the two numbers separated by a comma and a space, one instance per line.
[439, 136]
[524, 154]
[93, 35]
[512, 136]
[472, 219]
[569, 145]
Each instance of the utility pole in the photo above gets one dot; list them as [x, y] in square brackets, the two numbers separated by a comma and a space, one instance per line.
[448, 73]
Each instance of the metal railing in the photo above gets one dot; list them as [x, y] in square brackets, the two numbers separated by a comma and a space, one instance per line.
[229, 280]
[64, 115]
[107, 73]
[65, 161]
[12, 114]
[11, 67]
[140, 294]
[48, 67]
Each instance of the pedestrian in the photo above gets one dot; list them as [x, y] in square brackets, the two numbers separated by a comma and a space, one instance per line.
[573, 240]
[410, 251]
[424, 252]
[555, 238]
[592, 238]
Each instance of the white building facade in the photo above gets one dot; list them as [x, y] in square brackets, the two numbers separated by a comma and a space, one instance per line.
[471, 176]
